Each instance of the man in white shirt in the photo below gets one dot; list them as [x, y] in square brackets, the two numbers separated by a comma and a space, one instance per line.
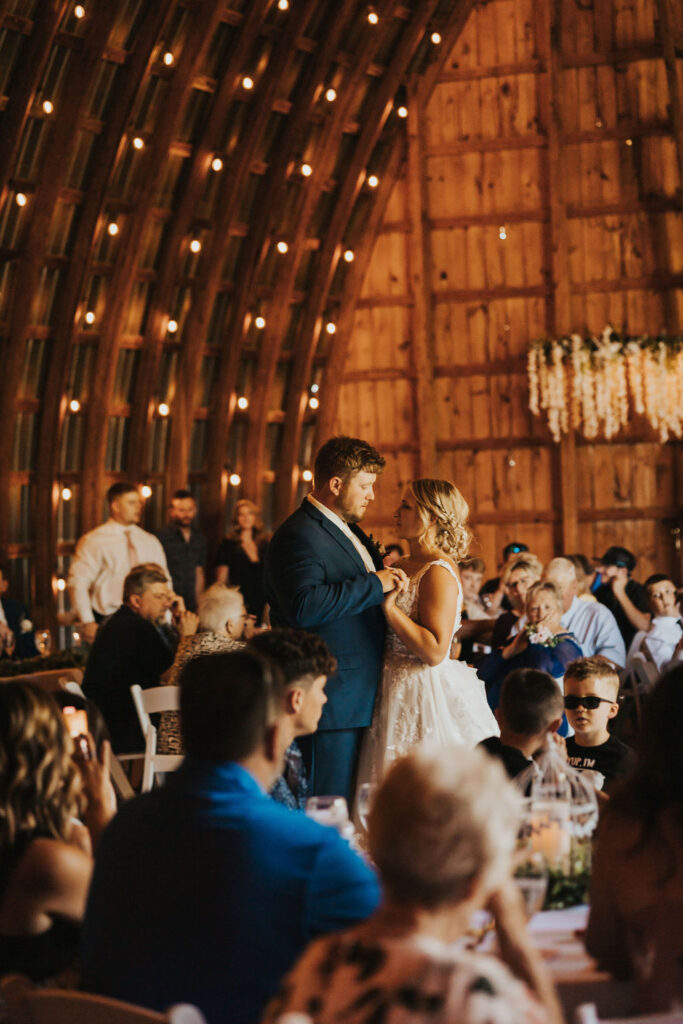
[104, 557]
[592, 624]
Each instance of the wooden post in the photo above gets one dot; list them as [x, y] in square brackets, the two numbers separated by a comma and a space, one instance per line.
[420, 278]
[667, 37]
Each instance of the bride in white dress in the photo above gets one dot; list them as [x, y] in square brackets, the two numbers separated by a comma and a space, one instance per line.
[425, 697]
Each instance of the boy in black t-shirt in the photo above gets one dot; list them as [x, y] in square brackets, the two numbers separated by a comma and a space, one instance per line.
[591, 688]
[530, 709]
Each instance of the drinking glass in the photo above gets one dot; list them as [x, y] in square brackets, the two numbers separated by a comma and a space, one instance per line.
[531, 878]
[9, 643]
[44, 641]
[366, 795]
[328, 810]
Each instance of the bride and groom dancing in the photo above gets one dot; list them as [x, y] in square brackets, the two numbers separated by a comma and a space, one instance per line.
[393, 626]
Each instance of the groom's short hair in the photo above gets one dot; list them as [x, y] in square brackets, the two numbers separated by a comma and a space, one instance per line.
[344, 457]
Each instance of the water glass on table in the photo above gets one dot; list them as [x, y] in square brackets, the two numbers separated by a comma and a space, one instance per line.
[531, 878]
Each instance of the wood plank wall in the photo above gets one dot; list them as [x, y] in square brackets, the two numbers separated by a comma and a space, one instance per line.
[554, 122]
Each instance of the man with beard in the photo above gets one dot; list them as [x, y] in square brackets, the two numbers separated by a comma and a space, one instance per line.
[325, 575]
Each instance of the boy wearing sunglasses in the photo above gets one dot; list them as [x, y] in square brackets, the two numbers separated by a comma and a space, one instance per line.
[591, 689]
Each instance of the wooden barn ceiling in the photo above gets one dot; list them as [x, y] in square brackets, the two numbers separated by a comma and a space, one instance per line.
[190, 194]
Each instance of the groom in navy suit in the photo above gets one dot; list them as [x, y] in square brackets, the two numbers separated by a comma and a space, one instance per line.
[325, 575]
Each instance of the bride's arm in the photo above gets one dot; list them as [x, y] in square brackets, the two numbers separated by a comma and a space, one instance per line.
[430, 637]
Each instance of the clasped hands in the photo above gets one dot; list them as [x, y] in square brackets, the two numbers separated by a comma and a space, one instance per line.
[394, 580]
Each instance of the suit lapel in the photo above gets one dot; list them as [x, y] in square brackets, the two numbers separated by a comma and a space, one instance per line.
[370, 545]
[334, 532]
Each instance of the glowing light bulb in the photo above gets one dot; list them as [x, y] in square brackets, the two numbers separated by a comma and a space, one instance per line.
[315, 388]
[629, 142]
[61, 583]
[20, 199]
[216, 164]
[282, 247]
[260, 322]
[402, 111]
[307, 475]
[502, 232]
[138, 143]
[66, 494]
[331, 328]
[146, 491]
[74, 405]
[163, 409]
[283, 5]
[243, 402]
[48, 106]
[331, 95]
[235, 479]
[172, 326]
[89, 317]
[373, 181]
[113, 228]
[79, 11]
[76, 636]
[349, 255]
[313, 402]
[306, 170]
[247, 82]
[435, 38]
[195, 245]
[168, 58]
[373, 17]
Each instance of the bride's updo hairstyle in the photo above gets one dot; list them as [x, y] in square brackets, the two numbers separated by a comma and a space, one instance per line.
[441, 501]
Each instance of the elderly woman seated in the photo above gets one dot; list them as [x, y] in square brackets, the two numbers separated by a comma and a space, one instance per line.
[46, 782]
[441, 832]
[222, 618]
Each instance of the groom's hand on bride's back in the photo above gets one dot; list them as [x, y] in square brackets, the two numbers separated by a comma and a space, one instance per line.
[392, 579]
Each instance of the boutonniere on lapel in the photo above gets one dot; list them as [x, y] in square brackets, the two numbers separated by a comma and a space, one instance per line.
[379, 548]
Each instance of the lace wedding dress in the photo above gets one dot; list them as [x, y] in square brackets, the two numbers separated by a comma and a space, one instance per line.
[417, 703]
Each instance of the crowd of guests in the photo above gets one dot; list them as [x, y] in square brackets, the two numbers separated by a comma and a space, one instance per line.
[215, 889]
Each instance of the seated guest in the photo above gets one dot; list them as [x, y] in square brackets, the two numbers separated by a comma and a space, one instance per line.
[530, 710]
[305, 662]
[222, 616]
[393, 553]
[493, 591]
[45, 853]
[659, 642]
[624, 596]
[635, 927]
[592, 623]
[442, 832]
[543, 643]
[205, 890]
[517, 576]
[130, 647]
[477, 621]
[586, 577]
[17, 636]
[591, 690]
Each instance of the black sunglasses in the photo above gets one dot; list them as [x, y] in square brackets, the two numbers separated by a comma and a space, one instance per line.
[589, 703]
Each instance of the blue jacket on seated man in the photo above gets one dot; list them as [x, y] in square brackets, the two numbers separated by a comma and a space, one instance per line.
[206, 891]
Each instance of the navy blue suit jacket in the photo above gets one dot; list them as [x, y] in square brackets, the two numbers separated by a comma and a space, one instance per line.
[15, 613]
[316, 580]
[207, 891]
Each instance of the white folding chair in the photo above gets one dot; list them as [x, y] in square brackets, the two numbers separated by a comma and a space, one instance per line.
[587, 1013]
[149, 702]
[27, 1005]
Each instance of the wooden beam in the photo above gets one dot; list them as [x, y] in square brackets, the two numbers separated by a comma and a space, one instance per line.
[666, 31]
[419, 270]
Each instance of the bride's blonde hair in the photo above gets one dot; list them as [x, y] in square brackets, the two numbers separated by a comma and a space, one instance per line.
[441, 503]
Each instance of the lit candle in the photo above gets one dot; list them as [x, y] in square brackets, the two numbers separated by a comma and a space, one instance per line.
[550, 832]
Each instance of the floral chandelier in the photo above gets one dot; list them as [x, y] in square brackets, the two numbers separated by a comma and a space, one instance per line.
[592, 383]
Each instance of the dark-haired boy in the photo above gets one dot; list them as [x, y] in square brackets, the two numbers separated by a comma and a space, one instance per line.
[591, 690]
[530, 709]
[305, 662]
[659, 642]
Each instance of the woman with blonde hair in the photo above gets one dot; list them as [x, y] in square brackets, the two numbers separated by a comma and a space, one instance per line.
[425, 696]
[240, 557]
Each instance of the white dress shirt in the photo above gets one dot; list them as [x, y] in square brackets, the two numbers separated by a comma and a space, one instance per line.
[594, 627]
[345, 529]
[101, 563]
[661, 638]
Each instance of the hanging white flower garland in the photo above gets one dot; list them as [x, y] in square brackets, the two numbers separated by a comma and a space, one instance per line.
[590, 383]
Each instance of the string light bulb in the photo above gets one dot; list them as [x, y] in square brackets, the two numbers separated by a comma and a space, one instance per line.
[629, 142]
[195, 245]
[74, 405]
[306, 170]
[138, 142]
[435, 38]
[172, 326]
[146, 491]
[243, 402]
[330, 95]
[313, 402]
[113, 228]
[307, 475]
[283, 5]
[61, 583]
[66, 494]
[402, 111]
[260, 322]
[76, 636]
[163, 408]
[48, 106]
[315, 388]
[282, 247]
[331, 328]
[89, 317]
[235, 479]
[216, 164]
[349, 255]
[168, 58]
[20, 199]
[373, 181]
[502, 232]
[373, 16]
[79, 11]
[247, 82]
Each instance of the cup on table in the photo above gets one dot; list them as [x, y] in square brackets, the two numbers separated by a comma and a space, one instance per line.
[9, 642]
[531, 878]
[328, 810]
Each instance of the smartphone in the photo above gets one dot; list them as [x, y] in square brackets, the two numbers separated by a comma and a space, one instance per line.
[77, 723]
